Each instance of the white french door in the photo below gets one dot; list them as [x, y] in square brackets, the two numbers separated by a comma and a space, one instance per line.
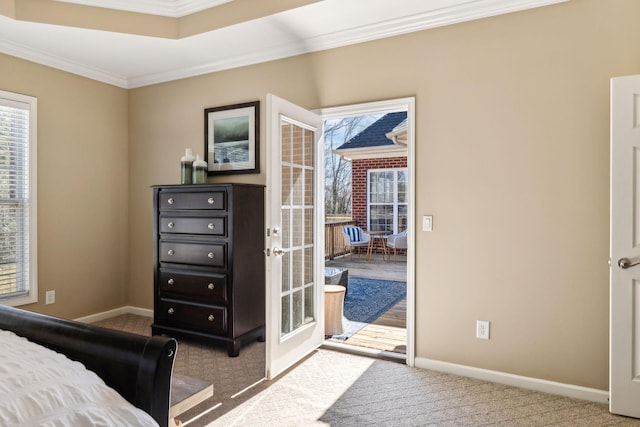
[295, 278]
[624, 372]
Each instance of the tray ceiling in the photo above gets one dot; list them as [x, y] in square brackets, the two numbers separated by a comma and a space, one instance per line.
[128, 60]
[172, 8]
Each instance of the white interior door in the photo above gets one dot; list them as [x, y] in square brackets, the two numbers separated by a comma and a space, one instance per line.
[295, 277]
[624, 376]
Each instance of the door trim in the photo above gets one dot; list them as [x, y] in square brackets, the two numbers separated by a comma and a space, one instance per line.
[408, 105]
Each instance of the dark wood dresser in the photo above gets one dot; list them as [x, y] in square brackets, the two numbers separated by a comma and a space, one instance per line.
[209, 267]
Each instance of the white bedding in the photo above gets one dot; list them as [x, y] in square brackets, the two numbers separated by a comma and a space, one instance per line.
[39, 387]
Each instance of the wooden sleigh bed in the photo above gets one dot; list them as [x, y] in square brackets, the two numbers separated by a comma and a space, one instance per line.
[139, 368]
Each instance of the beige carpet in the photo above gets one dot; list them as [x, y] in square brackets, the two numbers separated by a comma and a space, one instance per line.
[229, 375]
[337, 389]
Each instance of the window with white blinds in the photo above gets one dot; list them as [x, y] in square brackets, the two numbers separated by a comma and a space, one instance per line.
[388, 200]
[18, 283]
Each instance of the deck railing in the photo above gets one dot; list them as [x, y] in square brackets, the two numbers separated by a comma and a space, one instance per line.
[333, 241]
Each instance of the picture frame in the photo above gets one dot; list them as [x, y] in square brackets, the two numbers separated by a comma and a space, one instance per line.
[232, 138]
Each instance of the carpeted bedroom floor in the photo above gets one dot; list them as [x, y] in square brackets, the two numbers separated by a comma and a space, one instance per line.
[330, 388]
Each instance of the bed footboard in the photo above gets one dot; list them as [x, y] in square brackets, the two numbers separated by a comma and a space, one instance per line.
[136, 366]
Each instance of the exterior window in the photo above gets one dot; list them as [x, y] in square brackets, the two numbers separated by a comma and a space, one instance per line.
[387, 200]
[18, 248]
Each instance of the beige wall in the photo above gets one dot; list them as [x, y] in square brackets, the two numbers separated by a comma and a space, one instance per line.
[165, 119]
[82, 187]
[512, 161]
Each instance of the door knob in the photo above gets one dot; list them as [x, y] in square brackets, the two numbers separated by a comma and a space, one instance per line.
[627, 263]
[277, 251]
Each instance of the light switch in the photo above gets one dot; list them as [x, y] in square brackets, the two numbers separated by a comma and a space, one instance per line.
[427, 222]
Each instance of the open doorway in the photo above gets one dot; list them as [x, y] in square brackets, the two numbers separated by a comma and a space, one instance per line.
[368, 211]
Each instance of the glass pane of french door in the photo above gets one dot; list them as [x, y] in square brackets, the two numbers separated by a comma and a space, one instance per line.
[297, 212]
[295, 285]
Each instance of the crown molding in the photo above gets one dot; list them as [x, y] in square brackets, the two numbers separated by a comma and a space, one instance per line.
[170, 8]
[470, 11]
[447, 16]
[467, 11]
[188, 7]
[58, 63]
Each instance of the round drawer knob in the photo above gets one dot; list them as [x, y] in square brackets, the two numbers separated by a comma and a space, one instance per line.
[211, 286]
[170, 201]
[211, 226]
[211, 318]
[170, 311]
[170, 225]
[211, 200]
[171, 252]
[211, 255]
[170, 281]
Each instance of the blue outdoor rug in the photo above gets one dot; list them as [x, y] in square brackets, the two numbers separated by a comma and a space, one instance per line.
[366, 300]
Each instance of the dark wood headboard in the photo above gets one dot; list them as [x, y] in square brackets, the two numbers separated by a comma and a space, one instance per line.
[136, 366]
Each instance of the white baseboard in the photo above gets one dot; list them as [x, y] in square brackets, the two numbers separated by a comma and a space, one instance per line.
[552, 387]
[568, 390]
[116, 312]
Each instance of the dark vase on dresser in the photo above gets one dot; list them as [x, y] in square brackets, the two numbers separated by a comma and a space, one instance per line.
[209, 268]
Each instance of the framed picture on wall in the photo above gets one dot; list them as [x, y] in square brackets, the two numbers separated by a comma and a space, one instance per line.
[231, 138]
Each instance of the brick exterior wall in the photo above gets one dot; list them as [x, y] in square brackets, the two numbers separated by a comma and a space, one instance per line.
[359, 170]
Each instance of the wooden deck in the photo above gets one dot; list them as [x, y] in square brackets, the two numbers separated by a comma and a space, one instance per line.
[387, 333]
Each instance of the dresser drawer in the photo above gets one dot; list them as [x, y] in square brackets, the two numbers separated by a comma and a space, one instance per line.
[214, 200]
[210, 288]
[211, 255]
[193, 225]
[203, 318]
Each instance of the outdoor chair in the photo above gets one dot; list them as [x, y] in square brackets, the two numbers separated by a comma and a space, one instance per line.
[397, 241]
[355, 238]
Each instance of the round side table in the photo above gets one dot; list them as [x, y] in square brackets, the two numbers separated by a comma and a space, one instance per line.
[333, 309]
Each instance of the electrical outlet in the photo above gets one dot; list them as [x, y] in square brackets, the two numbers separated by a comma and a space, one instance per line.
[50, 297]
[482, 329]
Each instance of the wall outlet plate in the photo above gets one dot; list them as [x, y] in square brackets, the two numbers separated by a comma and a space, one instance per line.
[482, 329]
[50, 297]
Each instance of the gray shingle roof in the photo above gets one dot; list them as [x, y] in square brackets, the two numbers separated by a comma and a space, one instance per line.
[375, 134]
